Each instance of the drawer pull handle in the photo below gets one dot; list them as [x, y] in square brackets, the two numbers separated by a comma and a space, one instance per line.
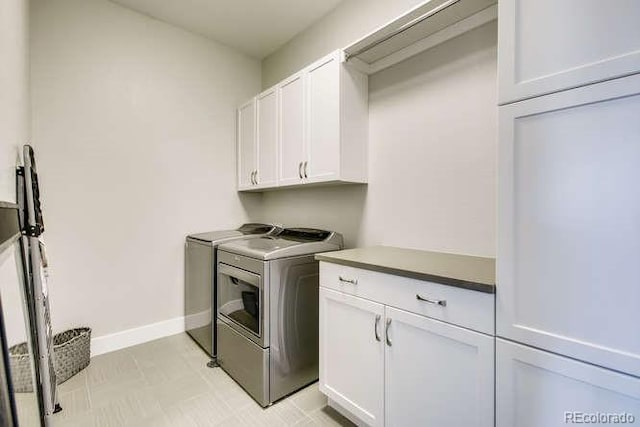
[386, 332]
[352, 281]
[440, 302]
[375, 327]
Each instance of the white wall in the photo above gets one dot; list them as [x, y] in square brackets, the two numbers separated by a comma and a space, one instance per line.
[432, 146]
[14, 90]
[346, 23]
[135, 126]
[14, 132]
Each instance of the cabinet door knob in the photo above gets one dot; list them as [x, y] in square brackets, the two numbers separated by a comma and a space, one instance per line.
[255, 176]
[352, 281]
[300, 170]
[386, 332]
[305, 169]
[375, 327]
[440, 302]
[251, 177]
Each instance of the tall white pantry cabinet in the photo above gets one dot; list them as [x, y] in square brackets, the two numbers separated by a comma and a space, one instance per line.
[568, 272]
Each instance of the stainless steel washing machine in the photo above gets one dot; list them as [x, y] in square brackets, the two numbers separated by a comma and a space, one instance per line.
[268, 311]
[200, 279]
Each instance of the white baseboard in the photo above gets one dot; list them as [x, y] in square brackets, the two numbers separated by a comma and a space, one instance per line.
[130, 337]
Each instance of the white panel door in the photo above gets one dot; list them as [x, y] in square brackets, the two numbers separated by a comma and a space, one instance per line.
[550, 45]
[539, 389]
[568, 261]
[267, 139]
[323, 119]
[246, 144]
[292, 142]
[352, 354]
[437, 374]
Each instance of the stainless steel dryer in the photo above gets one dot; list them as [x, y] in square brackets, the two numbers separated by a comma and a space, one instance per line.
[268, 310]
[200, 279]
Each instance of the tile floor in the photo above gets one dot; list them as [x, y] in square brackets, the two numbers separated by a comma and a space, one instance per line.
[166, 383]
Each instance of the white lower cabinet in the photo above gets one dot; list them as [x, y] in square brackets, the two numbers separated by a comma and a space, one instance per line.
[436, 374]
[535, 388]
[352, 354]
[390, 367]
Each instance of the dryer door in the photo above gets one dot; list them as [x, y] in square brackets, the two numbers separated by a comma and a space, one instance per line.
[241, 302]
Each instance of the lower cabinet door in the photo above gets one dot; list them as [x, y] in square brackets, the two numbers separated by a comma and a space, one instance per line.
[437, 374]
[535, 388]
[352, 354]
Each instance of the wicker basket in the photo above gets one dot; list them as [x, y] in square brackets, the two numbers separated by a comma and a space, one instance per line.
[71, 353]
[20, 368]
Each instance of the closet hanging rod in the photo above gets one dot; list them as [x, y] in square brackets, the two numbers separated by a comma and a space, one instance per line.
[403, 28]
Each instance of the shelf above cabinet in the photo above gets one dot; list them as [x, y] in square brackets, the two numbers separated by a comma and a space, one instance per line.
[421, 28]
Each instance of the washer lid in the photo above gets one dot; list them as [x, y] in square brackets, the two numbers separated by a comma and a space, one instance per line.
[257, 228]
[245, 230]
[290, 242]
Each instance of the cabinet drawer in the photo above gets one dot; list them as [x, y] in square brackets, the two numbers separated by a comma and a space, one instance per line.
[463, 307]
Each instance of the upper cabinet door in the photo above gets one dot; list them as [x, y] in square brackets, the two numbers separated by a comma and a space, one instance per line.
[569, 223]
[267, 118]
[246, 144]
[437, 374]
[323, 119]
[292, 144]
[549, 45]
[352, 354]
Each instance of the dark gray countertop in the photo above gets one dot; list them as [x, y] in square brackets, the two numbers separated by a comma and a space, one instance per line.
[462, 271]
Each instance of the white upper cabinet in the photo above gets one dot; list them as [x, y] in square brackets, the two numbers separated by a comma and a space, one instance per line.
[549, 45]
[324, 124]
[267, 139]
[321, 127]
[323, 131]
[569, 223]
[247, 145]
[257, 141]
[292, 154]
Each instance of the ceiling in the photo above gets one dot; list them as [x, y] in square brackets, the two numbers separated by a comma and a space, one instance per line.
[255, 27]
